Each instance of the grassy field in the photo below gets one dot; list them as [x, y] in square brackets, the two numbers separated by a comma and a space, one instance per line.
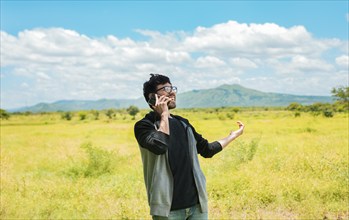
[283, 167]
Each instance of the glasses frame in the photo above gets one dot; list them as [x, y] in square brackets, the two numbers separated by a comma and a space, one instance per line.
[173, 89]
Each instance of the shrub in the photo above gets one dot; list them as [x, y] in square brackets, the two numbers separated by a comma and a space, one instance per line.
[99, 162]
[245, 152]
[67, 116]
[236, 110]
[328, 113]
[251, 150]
[341, 106]
[82, 116]
[221, 117]
[4, 115]
[110, 113]
[230, 115]
[95, 114]
[294, 106]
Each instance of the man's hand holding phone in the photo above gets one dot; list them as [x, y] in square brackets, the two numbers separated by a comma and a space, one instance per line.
[160, 104]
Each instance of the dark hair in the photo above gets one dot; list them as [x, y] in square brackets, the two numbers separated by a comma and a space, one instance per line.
[150, 85]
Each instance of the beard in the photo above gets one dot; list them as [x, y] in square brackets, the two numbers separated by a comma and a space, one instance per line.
[172, 105]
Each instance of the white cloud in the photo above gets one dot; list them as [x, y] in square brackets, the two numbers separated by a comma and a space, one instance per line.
[57, 63]
[343, 61]
[300, 65]
[43, 76]
[296, 84]
[235, 39]
[243, 63]
[24, 85]
[209, 62]
[304, 64]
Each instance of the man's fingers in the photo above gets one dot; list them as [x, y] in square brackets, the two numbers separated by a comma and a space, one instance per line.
[164, 99]
[240, 124]
[160, 100]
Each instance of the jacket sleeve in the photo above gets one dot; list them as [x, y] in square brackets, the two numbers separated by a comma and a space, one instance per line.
[203, 147]
[148, 137]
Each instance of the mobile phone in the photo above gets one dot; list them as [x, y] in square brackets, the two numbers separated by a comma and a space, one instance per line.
[152, 99]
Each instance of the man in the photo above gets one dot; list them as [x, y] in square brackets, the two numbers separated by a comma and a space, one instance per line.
[169, 144]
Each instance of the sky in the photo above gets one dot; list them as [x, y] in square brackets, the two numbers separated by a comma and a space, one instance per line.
[90, 50]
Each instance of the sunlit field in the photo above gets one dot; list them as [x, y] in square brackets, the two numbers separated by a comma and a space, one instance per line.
[283, 167]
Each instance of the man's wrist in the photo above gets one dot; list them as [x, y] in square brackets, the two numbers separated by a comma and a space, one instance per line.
[165, 114]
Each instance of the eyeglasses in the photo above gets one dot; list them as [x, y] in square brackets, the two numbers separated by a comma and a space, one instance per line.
[168, 89]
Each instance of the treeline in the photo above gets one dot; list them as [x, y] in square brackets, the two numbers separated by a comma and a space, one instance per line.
[326, 109]
[109, 113]
[81, 115]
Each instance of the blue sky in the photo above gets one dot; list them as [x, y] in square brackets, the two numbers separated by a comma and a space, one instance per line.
[53, 50]
[99, 18]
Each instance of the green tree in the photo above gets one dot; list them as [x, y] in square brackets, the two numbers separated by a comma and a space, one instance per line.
[342, 96]
[4, 114]
[110, 113]
[132, 110]
[341, 93]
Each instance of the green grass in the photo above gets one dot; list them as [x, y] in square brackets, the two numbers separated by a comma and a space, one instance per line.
[283, 167]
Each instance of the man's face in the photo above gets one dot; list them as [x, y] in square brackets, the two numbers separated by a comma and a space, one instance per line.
[163, 91]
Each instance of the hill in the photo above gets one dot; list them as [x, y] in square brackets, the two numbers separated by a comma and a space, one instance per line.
[236, 95]
[225, 95]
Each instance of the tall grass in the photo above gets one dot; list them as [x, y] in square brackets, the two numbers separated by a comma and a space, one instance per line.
[283, 167]
[99, 162]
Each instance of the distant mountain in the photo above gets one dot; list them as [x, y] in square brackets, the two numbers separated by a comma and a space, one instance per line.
[75, 105]
[236, 95]
[225, 95]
